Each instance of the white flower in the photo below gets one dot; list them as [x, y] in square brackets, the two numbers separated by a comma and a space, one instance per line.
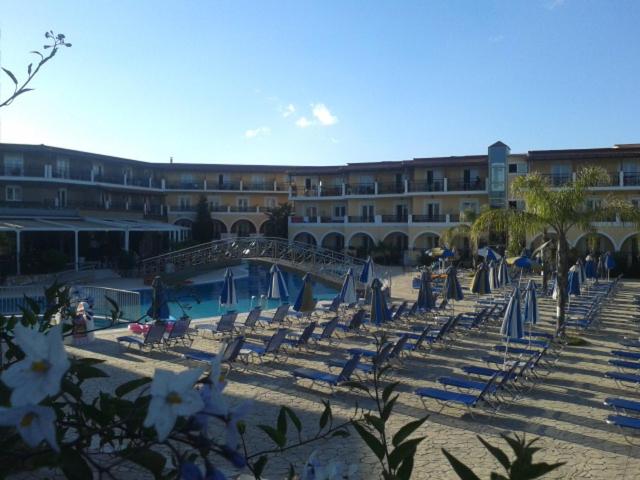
[40, 372]
[33, 422]
[172, 395]
[315, 470]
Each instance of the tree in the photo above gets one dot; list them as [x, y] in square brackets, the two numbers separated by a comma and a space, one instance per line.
[202, 228]
[558, 210]
[279, 220]
[57, 41]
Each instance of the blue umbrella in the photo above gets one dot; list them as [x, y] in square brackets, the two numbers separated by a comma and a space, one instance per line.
[590, 267]
[580, 268]
[425, 295]
[159, 309]
[366, 276]
[304, 302]
[520, 262]
[379, 310]
[512, 325]
[480, 283]
[530, 304]
[277, 286]
[451, 289]
[489, 254]
[228, 295]
[600, 268]
[348, 291]
[494, 276]
[574, 281]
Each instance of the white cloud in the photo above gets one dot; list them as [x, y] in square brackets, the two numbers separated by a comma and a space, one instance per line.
[303, 122]
[553, 4]
[324, 116]
[256, 132]
[288, 110]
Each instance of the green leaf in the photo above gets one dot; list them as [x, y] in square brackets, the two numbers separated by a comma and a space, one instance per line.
[407, 430]
[405, 470]
[374, 421]
[282, 422]
[131, 385]
[259, 465]
[71, 388]
[356, 385]
[464, 472]
[85, 372]
[372, 442]
[343, 433]
[388, 390]
[278, 438]
[326, 414]
[294, 418]
[11, 75]
[74, 465]
[386, 411]
[148, 459]
[498, 453]
[536, 470]
[403, 451]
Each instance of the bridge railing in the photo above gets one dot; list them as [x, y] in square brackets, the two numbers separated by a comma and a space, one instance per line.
[316, 259]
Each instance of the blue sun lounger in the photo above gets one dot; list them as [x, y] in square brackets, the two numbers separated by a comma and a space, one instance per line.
[625, 354]
[301, 340]
[333, 380]
[229, 354]
[622, 422]
[622, 405]
[273, 346]
[377, 360]
[153, 338]
[623, 364]
[623, 378]
[469, 401]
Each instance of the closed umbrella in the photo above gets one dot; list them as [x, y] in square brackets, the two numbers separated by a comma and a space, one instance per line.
[512, 325]
[425, 295]
[574, 281]
[159, 309]
[348, 291]
[609, 263]
[590, 267]
[228, 295]
[530, 305]
[379, 309]
[480, 283]
[277, 286]
[503, 273]
[600, 268]
[304, 302]
[367, 274]
[452, 289]
[494, 276]
[441, 253]
[580, 268]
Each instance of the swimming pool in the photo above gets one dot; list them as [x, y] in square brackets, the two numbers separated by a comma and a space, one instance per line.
[200, 301]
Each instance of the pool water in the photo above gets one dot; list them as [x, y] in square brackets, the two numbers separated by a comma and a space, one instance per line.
[202, 300]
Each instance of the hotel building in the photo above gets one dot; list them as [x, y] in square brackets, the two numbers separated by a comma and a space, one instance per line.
[92, 206]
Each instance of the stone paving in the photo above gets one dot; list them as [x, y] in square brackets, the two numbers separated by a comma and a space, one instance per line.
[565, 410]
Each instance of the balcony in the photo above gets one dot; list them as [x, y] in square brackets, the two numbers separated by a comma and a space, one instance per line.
[428, 218]
[476, 185]
[114, 179]
[361, 219]
[557, 180]
[183, 208]
[184, 186]
[331, 219]
[437, 185]
[360, 188]
[394, 218]
[225, 186]
[631, 179]
[219, 208]
[331, 191]
[390, 188]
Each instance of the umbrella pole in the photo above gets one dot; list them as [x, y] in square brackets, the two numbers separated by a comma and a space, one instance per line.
[506, 350]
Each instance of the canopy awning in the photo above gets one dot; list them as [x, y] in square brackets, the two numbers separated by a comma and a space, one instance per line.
[88, 224]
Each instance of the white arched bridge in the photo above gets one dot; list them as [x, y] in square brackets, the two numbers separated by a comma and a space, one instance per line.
[322, 262]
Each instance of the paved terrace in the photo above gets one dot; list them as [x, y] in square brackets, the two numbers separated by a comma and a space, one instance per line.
[565, 410]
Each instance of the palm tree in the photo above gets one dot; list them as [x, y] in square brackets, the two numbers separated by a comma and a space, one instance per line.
[558, 210]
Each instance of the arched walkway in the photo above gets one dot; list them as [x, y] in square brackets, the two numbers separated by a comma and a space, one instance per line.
[183, 235]
[243, 228]
[361, 244]
[426, 240]
[268, 228]
[597, 243]
[305, 237]
[333, 241]
[630, 249]
[218, 229]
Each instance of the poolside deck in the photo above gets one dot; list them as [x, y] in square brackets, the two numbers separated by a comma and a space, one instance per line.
[565, 410]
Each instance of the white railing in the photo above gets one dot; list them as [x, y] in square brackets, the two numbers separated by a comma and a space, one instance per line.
[12, 299]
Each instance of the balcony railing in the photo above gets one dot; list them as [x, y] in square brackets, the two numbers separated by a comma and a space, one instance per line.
[331, 219]
[631, 179]
[394, 218]
[429, 218]
[258, 186]
[114, 179]
[361, 188]
[223, 186]
[361, 219]
[478, 184]
[184, 185]
[331, 191]
[558, 180]
[219, 208]
[390, 188]
[184, 208]
[71, 175]
[437, 185]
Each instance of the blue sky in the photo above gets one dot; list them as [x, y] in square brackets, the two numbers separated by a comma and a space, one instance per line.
[324, 82]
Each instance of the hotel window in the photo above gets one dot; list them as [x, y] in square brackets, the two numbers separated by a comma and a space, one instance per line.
[184, 202]
[368, 212]
[243, 204]
[339, 211]
[519, 168]
[270, 202]
[13, 193]
[635, 202]
[497, 178]
[469, 205]
[214, 203]
[62, 197]
[560, 174]
[594, 204]
[13, 164]
[516, 205]
[432, 209]
[186, 180]
[311, 212]
[62, 168]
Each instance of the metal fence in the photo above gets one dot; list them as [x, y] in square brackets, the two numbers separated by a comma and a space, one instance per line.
[12, 299]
